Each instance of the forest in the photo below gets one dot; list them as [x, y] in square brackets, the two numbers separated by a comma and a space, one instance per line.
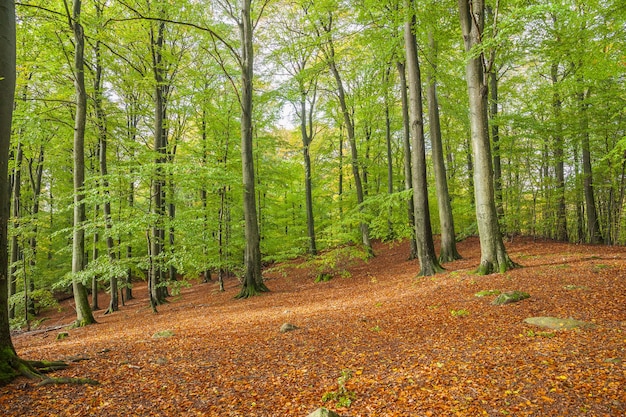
[168, 141]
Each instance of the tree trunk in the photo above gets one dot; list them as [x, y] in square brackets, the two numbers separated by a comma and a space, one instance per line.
[448, 251]
[593, 225]
[253, 280]
[388, 136]
[493, 253]
[157, 280]
[406, 140]
[429, 265]
[307, 137]
[559, 164]
[8, 356]
[16, 251]
[347, 119]
[84, 316]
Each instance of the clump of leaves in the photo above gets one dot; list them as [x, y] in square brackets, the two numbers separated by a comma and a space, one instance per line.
[459, 313]
[335, 262]
[343, 396]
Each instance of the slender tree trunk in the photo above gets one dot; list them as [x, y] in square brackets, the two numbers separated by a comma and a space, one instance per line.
[84, 316]
[158, 183]
[307, 137]
[35, 176]
[448, 251]
[388, 135]
[493, 253]
[16, 251]
[559, 167]
[429, 265]
[406, 140]
[347, 119]
[593, 225]
[253, 280]
[95, 284]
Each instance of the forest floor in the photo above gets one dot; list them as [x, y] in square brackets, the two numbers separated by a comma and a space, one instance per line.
[406, 346]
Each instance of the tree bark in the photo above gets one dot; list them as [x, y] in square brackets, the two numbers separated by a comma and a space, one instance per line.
[84, 316]
[157, 275]
[406, 141]
[448, 250]
[8, 356]
[559, 164]
[306, 130]
[593, 225]
[429, 265]
[347, 119]
[253, 280]
[493, 253]
[16, 251]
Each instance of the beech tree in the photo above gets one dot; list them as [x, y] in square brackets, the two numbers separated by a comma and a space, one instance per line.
[84, 315]
[494, 257]
[429, 265]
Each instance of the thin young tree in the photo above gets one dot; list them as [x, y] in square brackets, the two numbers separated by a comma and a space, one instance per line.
[494, 257]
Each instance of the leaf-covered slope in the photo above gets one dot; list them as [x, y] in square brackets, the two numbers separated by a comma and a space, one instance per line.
[407, 347]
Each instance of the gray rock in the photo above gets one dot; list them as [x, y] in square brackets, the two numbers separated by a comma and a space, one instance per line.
[510, 297]
[288, 327]
[556, 323]
[323, 412]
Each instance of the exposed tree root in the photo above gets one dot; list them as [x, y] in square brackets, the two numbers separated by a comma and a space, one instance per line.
[248, 291]
[36, 370]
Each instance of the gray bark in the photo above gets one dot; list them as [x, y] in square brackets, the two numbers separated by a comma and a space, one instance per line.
[448, 250]
[493, 253]
[7, 95]
[429, 265]
[84, 315]
[253, 280]
[406, 141]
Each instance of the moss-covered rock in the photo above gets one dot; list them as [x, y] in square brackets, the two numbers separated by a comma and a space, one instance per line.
[556, 323]
[510, 297]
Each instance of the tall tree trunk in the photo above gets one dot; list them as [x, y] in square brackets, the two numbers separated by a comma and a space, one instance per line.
[35, 176]
[347, 119]
[559, 163]
[84, 316]
[16, 251]
[8, 355]
[493, 253]
[448, 251]
[593, 225]
[157, 280]
[388, 135]
[253, 280]
[429, 265]
[406, 141]
[306, 130]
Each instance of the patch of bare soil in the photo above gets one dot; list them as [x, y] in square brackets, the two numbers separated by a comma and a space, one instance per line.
[409, 346]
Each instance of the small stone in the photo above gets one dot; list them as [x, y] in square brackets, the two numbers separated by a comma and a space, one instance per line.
[323, 412]
[63, 335]
[288, 327]
[161, 361]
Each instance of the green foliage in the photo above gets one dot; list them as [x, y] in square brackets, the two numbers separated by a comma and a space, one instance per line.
[343, 396]
[335, 262]
[41, 298]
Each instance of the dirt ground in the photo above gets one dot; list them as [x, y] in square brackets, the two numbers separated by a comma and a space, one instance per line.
[405, 345]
